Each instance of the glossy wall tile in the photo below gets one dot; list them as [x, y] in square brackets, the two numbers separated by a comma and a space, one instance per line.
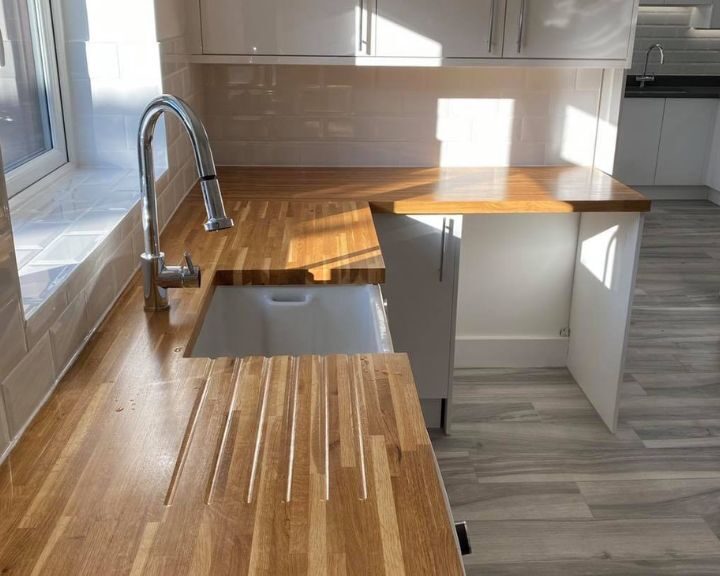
[27, 385]
[13, 345]
[353, 116]
[77, 245]
[9, 286]
[4, 431]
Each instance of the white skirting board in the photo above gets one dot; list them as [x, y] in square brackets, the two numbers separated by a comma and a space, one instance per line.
[479, 352]
[606, 265]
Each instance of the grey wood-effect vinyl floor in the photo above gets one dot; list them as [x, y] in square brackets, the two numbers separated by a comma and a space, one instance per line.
[547, 490]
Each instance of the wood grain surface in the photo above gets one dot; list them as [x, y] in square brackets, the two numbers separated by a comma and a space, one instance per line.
[145, 461]
[547, 189]
[297, 243]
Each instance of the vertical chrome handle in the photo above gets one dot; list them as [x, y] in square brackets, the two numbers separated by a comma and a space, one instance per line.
[448, 228]
[492, 26]
[361, 40]
[521, 26]
[2, 50]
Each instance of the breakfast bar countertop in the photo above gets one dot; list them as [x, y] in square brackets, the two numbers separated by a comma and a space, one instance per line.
[516, 190]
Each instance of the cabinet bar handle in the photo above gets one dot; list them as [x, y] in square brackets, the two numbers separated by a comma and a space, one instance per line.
[448, 228]
[362, 27]
[521, 26]
[2, 50]
[492, 26]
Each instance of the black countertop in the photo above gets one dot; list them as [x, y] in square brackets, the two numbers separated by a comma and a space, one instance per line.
[674, 87]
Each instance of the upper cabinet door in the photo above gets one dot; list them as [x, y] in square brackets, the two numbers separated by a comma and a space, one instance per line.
[569, 29]
[447, 29]
[283, 27]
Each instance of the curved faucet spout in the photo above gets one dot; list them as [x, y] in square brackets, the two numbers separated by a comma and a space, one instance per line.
[217, 219]
[645, 77]
[158, 276]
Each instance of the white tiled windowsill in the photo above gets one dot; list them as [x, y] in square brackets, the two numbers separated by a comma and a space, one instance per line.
[57, 226]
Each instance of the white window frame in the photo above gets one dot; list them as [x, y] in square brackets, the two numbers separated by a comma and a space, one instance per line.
[50, 36]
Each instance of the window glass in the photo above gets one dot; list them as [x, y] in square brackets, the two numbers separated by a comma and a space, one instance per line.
[31, 130]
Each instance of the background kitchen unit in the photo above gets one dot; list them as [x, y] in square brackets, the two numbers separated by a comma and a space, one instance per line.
[669, 134]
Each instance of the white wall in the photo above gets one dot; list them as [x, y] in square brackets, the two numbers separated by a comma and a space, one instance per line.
[348, 116]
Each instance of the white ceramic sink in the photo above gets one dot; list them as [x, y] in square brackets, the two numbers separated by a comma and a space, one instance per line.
[293, 320]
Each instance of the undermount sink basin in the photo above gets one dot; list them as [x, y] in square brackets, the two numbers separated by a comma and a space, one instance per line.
[293, 320]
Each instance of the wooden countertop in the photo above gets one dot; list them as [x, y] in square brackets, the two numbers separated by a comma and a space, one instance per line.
[288, 242]
[145, 461]
[545, 189]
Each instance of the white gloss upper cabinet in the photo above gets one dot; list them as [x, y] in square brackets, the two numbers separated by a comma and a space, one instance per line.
[569, 29]
[283, 27]
[432, 29]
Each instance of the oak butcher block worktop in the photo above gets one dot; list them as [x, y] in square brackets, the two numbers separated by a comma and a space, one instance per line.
[146, 461]
[298, 243]
[547, 189]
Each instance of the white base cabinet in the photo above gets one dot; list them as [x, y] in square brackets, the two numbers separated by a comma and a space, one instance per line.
[665, 142]
[422, 261]
[638, 140]
[685, 141]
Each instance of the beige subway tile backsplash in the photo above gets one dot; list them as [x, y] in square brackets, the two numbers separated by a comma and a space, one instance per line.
[4, 430]
[28, 383]
[12, 336]
[69, 331]
[352, 116]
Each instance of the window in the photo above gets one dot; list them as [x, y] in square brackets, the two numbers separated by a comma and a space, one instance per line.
[32, 133]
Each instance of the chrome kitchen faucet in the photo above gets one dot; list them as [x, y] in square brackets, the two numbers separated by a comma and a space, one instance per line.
[645, 77]
[157, 276]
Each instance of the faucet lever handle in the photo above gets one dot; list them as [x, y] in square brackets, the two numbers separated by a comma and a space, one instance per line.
[188, 262]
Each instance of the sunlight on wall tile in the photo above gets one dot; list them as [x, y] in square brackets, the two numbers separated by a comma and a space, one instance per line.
[114, 65]
[127, 21]
[348, 116]
[577, 148]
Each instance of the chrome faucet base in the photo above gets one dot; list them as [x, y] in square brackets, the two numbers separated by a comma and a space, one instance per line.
[155, 295]
[157, 277]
